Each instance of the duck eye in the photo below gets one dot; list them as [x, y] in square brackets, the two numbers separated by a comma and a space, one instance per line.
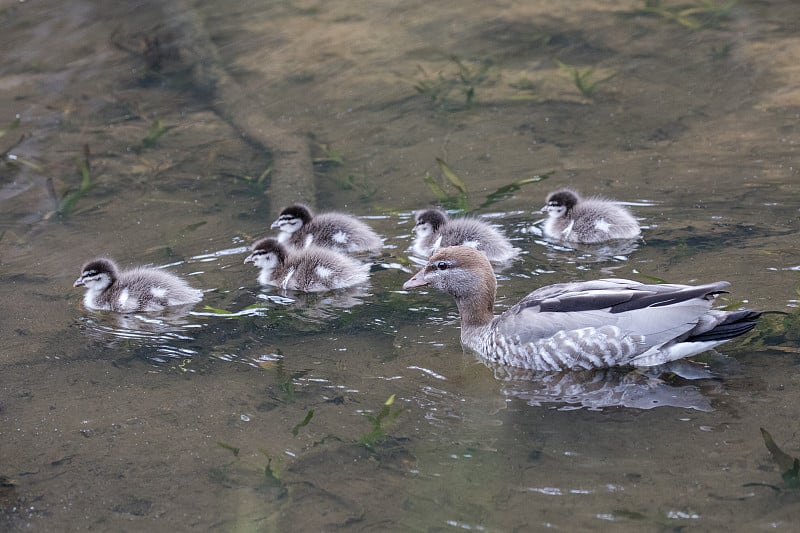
[441, 265]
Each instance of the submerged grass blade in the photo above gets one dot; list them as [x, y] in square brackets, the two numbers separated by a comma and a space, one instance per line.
[506, 191]
[451, 176]
[14, 125]
[233, 449]
[435, 188]
[781, 458]
[157, 130]
[304, 423]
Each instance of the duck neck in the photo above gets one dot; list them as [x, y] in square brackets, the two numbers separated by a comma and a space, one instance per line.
[476, 309]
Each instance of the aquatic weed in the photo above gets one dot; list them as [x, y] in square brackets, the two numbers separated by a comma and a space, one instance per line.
[694, 16]
[156, 131]
[271, 471]
[64, 206]
[303, 423]
[377, 434]
[788, 465]
[359, 183]
[259, 183]
[329, 156]
[459, 199]
[583, 79]
[465, 79]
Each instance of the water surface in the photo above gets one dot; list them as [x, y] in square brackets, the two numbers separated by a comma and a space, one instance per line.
[189, 126]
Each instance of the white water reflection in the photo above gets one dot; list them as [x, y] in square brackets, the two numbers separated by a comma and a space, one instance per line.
[600, 389]
[162, 337]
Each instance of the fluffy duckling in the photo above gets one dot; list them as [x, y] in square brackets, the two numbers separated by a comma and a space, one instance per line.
[137, 290]
[312, 269]
[571, 218]
[435, 230]
[581, 325]
[344, 233]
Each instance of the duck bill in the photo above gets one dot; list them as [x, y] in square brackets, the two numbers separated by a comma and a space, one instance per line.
[79, 282]
[418, 280]
[249, 259]
[276, 224]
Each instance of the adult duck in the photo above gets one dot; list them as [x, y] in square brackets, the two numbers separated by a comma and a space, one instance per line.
[581, 325]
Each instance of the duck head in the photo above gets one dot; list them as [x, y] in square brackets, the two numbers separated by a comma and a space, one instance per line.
[466, 274]
[267, 254]
[560, 203]
[429, 222]
[97, 274]
[292, 218]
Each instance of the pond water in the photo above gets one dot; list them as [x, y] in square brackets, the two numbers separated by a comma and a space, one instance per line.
[172, 136]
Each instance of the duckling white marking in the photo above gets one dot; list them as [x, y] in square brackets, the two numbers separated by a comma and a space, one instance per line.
[581, 325]
[288, 278]
[159, 292]
[284, 237]
[602, 225]
[123, 298]
[340, 237]
[323, 271]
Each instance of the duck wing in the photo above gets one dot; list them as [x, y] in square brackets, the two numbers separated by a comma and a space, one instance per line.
[655, 314]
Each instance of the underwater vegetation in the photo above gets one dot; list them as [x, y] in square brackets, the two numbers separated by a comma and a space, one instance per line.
[156, 131]
[463, 79]
[583, 79]
[788, 465]
[64, 205]
[694, 16]
[451, 192]
[377, 434]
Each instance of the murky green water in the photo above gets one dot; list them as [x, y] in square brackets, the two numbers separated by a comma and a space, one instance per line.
[189, 126]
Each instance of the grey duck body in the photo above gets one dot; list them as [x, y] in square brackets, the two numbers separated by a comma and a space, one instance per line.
[582, 325]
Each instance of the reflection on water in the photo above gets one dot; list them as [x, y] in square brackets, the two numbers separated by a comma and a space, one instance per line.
[159, 337]
[129, 144]
[606, 388]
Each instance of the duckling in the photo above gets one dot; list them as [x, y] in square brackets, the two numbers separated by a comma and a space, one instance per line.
[435, 230]
[311, 269]
[344, 233]
[136, 290]
[571, 218]
[581, 325]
